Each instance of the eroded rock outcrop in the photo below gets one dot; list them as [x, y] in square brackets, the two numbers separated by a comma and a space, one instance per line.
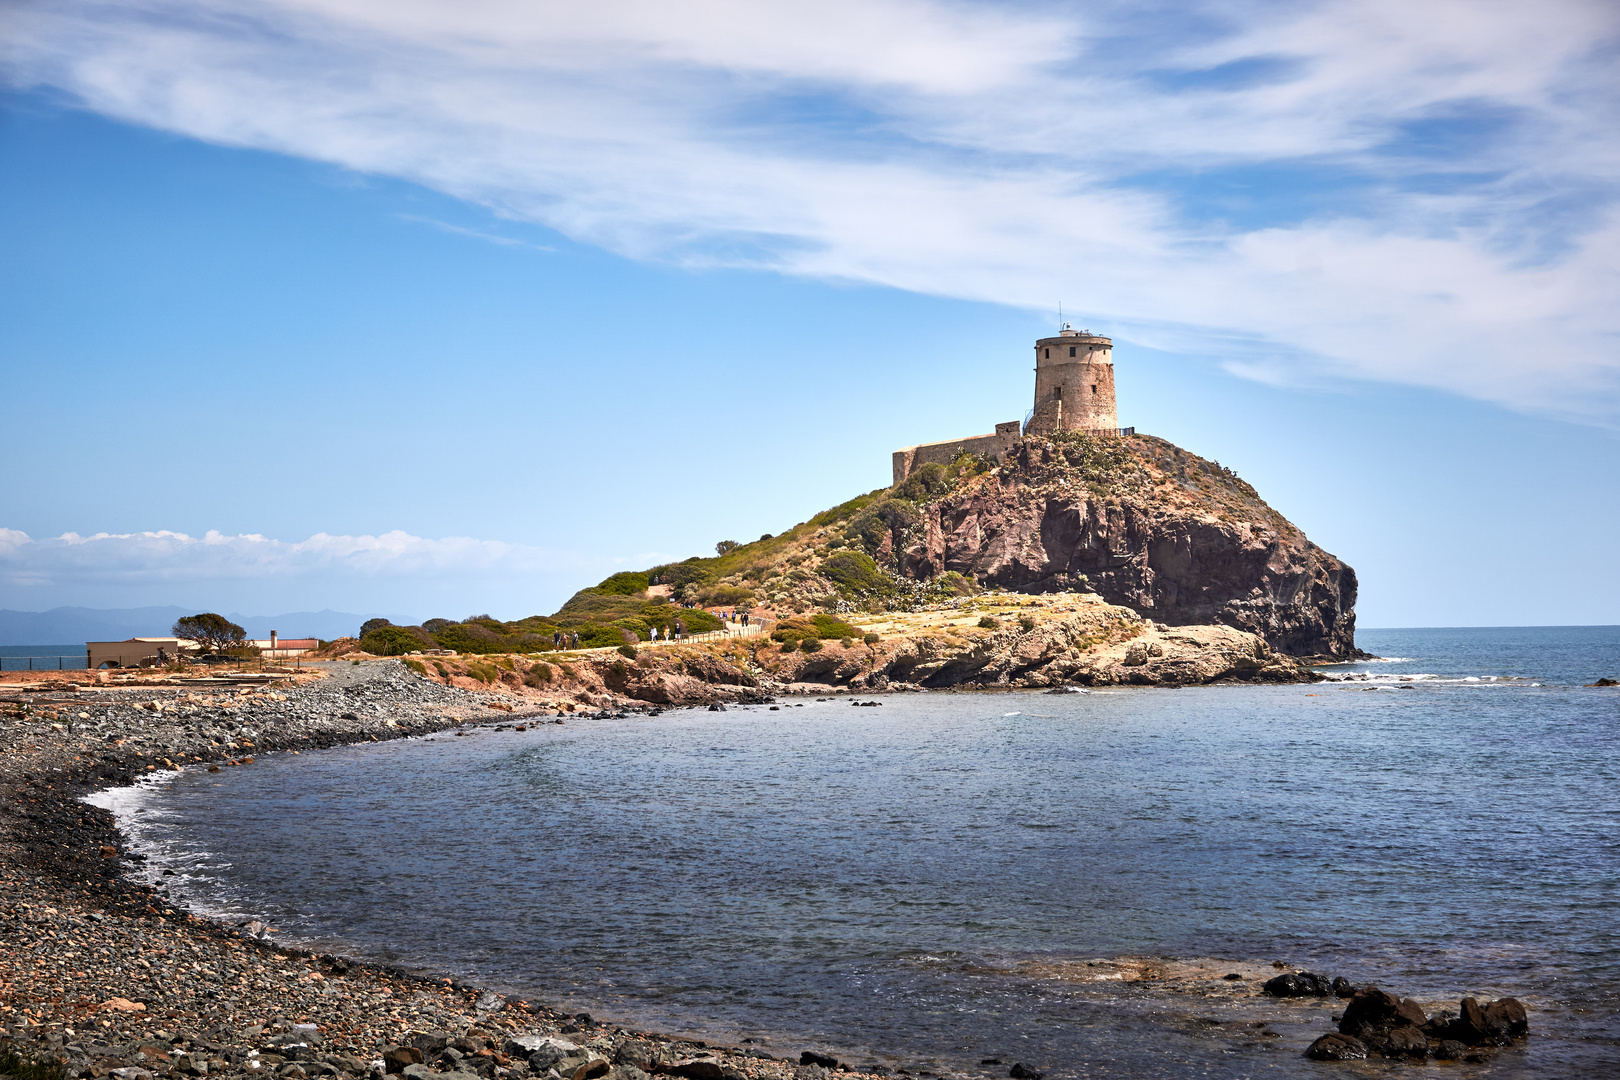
[1145, 525]
[1077, 640]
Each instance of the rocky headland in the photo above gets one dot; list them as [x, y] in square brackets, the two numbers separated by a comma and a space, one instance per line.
[1143, 524]
[1077, 560]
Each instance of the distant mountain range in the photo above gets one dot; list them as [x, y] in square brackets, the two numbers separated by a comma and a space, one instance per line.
[74, 625]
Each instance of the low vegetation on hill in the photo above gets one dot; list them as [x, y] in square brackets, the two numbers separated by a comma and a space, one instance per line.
[602, 620]
[934, 538]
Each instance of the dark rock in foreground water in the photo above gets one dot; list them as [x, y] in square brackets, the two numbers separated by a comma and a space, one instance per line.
[1299, 984]
[1336, 1047]
[1379, 1024]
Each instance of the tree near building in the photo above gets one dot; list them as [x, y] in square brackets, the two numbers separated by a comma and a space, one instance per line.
[210, 632]
[725, 547]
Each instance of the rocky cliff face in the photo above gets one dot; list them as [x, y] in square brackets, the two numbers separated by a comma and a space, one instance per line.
[1142, 523]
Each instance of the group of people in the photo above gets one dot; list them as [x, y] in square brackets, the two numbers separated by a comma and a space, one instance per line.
[673, 632]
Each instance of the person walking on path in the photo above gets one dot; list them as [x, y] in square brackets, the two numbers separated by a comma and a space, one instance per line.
[556, 639]
[576, 639]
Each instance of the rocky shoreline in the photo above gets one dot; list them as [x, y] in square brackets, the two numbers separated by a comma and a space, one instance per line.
[987, 642]
[102, 975]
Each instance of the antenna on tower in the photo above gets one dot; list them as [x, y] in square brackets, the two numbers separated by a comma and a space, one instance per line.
[1060, 316]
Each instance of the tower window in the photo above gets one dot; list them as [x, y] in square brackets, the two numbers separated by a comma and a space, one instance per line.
[1093, 388]
[1071, 350]
[1048, 353]
[1058, 393]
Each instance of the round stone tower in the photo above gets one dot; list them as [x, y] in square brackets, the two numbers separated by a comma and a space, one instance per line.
[1074, 384]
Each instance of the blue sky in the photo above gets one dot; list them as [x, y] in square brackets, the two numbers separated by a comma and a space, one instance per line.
[312, 303]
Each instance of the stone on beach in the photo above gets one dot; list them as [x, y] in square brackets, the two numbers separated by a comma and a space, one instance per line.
[1298, 984]
[1337, 1047]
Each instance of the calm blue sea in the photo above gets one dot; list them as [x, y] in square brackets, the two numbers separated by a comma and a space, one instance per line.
[955, 877]
[41, 657]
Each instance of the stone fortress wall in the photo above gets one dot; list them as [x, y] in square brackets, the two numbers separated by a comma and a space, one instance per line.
[1074, 391]
[986, 446]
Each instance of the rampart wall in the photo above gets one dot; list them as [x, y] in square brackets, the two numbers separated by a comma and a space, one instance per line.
[992, 446]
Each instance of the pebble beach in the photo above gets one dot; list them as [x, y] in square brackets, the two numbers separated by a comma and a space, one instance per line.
[102, 974]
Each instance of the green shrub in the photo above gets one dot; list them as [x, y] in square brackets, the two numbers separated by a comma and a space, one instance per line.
[597, 636]
[627, 651]
[871, 639]
[394, 641]
[356, 663]
[1026, 623]
[854, 572]
[810, 644]
[433, 626]
[788, 646]
[867, 530]
[416, 666]
[726, 596]
[806, 626]
[691, 571]
[955, 584]
[473, 638]
[624, 583]
[990, 622]
[846, 642]
[696, 620]
[635, 625]
[538, 675]
[599, 606]
[829, 626]
[925, 482]
[483, 672]
[373, 624]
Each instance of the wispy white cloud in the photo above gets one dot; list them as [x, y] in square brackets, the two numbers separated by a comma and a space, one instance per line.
[119, 569]
[176, 556]
[476, 234]
[1418, 194]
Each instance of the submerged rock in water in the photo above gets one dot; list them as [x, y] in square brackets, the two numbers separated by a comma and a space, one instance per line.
[1336, 1047]
[1298, 984]
[1379, 1024]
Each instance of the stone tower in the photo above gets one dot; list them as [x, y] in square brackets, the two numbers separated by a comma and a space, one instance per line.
[1074, 384]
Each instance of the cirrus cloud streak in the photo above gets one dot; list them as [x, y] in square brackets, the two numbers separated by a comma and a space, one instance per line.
[1359, 189]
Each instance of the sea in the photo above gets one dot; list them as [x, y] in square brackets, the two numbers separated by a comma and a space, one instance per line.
[949, 883]
[42, 657]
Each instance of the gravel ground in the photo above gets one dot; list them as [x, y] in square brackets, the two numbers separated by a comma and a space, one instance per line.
[100, 975]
